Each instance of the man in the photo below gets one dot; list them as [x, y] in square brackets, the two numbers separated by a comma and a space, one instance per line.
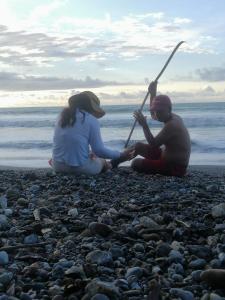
[168, 152]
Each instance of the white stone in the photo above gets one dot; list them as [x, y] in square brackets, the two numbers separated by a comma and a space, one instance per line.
[73, 212]
[218, 211]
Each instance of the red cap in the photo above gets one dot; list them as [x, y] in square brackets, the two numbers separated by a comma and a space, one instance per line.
[161, 102]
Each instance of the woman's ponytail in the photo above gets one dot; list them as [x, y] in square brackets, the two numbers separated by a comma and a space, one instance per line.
[68, 115]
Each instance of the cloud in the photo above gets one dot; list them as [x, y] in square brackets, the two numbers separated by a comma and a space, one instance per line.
[211, 74]
[17, 82]
[92, 39]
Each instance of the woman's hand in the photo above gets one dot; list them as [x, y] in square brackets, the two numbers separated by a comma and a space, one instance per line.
[92, 155]
[127, 154]
[140, 118]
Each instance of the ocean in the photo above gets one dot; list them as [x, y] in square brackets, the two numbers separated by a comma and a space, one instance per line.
[26, 133]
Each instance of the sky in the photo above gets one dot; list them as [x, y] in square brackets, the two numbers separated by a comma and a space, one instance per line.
[51, 49]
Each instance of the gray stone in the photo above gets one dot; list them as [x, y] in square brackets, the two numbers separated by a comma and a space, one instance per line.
[100, 297]
[117, 252]
[3, 202]
[4, 258]
[218, 211]
[176, 257]
[177, 277]
[200, 251]
[148, 222]
[135, 271]
[138, 247]
[8, 212]
[100, 258]
[73, 212]
[31, 239]
[199, 263]
[96, 286]
[182, 294]
[163, 249]
[5, 278]
[3, 222]
[196, 275]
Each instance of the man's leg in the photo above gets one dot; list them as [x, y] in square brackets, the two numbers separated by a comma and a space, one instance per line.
[149, 166]
[147, 151]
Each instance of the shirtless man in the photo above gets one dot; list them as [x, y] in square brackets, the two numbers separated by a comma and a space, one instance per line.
[173, 157]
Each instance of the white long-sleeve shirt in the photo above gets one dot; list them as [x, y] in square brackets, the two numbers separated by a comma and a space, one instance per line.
[71, 144]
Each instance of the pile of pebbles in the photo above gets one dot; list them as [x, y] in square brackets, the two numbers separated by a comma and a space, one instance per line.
[120, 235]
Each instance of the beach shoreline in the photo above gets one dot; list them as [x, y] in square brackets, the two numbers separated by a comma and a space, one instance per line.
[210, 169]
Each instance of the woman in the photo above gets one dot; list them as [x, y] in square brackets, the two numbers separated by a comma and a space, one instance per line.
[76, 131]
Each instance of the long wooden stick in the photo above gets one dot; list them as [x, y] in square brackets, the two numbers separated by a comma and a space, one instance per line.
[147, 95]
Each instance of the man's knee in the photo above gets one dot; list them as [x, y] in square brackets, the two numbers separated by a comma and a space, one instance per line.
[137, 164]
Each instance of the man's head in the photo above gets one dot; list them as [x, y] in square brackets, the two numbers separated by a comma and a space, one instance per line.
[161, 108]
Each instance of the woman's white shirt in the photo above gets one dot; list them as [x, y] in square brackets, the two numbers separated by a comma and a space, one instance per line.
[71, 144]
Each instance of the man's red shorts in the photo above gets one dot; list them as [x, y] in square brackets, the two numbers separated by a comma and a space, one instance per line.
[153, 163]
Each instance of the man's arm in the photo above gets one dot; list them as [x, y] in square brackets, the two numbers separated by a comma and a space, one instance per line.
[164, 135]
[143, 122]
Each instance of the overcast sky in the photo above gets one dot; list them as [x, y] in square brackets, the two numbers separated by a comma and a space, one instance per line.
[52, 49]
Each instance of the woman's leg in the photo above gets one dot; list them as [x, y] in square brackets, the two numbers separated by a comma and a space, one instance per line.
[92, 166]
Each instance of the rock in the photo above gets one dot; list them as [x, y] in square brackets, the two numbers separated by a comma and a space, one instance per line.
[3, 222]
[135, 271]
[3, 202]
[199, 263]
[55, 290]
[100, 229]
[73, 212]
[12, 194]
[100, 297]
[151, 237]
[148, 222]
[182, 294]
[4, 258]
[76, 272]
[214, 296]
[177, 278]
[23, 202]
[97, 286]
[5, 278]
[214, 277]
[31, 239]
[99, 257]
[215, 263]
[200, 251]
[163, 249]
[176, 268]
[218, 211]
[175, 256]
[138, 247]
[8, 212]
[196, 275]
[117, 252]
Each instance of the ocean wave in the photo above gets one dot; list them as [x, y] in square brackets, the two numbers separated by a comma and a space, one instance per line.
[125, 108]
[124, 122]
[197, 146]
[43, 145]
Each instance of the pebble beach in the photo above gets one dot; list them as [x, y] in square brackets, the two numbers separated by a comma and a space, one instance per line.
[120, 235]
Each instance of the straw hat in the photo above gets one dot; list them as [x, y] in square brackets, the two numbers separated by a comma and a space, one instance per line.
[87, 98]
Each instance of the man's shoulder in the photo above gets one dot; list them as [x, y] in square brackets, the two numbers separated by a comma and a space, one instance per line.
[174, 122]
[176, 119]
